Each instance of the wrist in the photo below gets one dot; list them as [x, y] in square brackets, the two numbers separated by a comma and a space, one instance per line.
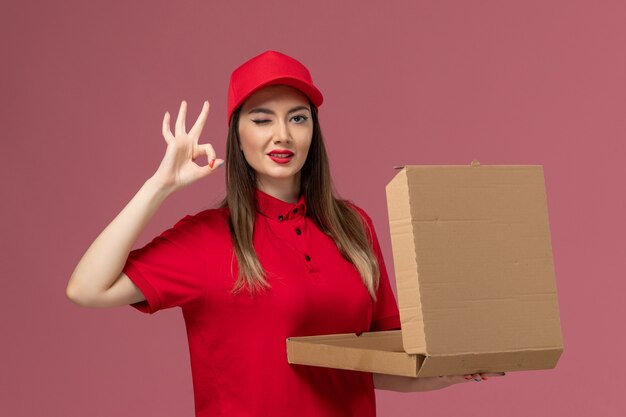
[157, 188]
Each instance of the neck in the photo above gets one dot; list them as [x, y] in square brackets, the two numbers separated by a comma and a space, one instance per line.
[285, 189]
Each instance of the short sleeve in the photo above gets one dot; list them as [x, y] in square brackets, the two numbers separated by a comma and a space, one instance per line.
[386, 315]
[171, 269]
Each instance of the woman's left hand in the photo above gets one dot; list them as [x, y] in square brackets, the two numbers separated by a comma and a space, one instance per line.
[456, 379]
[429, 383]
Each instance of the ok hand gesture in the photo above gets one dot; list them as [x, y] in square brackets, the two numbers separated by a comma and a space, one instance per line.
[178, 169]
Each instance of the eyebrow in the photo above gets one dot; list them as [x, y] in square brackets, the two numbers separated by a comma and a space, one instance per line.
[268, 111]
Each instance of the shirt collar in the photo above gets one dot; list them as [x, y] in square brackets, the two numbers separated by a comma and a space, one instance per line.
[277, 209]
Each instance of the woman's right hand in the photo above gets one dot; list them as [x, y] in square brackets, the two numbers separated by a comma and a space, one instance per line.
[178, 169]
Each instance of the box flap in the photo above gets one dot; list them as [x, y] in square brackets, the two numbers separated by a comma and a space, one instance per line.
[405, 263]
[473, 259]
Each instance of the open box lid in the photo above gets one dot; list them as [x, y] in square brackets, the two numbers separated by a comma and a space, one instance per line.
[473, 260]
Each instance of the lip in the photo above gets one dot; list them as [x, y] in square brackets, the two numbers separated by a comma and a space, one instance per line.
[280, 160]
[281, 151]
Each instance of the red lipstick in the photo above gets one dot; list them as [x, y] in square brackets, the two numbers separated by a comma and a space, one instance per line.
[280, 156]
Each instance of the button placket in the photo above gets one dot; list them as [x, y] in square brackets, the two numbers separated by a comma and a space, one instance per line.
[299, 229]
[293, 230]
[305, 244]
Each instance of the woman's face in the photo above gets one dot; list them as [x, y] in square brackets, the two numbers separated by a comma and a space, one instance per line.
[275, 132]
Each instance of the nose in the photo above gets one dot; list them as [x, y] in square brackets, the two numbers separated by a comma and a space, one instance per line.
[282, 133]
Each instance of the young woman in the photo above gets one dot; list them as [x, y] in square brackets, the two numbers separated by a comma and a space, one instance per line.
[282, 256]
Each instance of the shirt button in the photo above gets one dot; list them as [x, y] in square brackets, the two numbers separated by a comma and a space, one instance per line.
[280, 218]
[307, 257]
[298, 231]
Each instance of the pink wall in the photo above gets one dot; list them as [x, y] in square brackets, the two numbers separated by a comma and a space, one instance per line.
[84, 86]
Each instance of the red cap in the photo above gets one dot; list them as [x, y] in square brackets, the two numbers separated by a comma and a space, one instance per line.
[269, 68]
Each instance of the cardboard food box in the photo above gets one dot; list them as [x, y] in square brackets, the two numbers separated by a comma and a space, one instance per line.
[475, 278]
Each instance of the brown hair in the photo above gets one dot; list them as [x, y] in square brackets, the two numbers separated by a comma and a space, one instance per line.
[333, 216]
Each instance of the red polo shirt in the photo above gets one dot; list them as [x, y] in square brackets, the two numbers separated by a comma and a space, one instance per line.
[237, 342]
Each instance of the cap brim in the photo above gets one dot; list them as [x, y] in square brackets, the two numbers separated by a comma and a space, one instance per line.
[309, 90]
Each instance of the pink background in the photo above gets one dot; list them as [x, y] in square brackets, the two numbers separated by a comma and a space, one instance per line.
[84, 86]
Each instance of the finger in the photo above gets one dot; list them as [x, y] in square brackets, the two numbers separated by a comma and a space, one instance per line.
[210, 167]
[185, 118]
[199, 125]
[180, 120]
[167, 133]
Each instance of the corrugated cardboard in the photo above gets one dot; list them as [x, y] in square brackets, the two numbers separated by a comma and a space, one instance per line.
[475, 278]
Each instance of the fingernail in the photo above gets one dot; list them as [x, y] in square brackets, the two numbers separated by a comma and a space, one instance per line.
[211, 163]
[485, 378]
[468, 377]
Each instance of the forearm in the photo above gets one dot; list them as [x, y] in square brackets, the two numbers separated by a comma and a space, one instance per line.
[409, 384]
[103, 261]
